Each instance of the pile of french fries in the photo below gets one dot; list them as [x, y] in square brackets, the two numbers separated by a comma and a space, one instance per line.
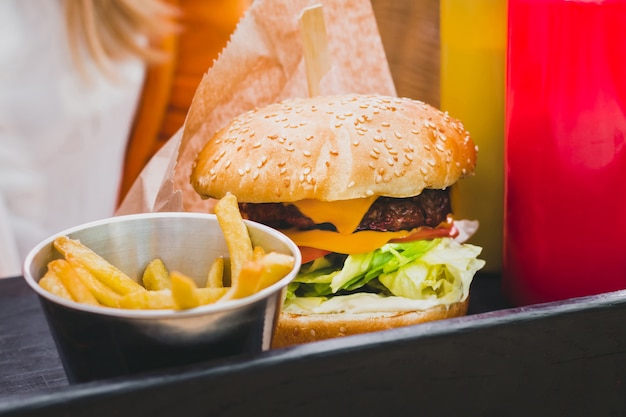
[83, 276]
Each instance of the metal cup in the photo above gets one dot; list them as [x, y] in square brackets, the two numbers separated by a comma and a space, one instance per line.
[100, 342]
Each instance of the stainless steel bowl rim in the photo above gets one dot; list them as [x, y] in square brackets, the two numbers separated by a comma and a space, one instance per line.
[159, 314]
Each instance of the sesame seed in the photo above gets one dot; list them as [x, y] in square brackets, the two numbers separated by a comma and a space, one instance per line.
[309, 137]
[212, 171]
[306, 153]
[338, 124]
[256, 175]
[408, 156]
[290, 148]
[369, 193]
[390, 162]
[374, 154]
[333, 152]
[227, 164]
[307, 170]
[415, 131]
[272, 136]
[398, 134]
[371, 165]
[256, 145]
[240, 171]
[431, 163]
[385, 124]
[378, 179]
[351, 184]
[376, 150]
[356, 142]
[423, 170]
[282, 171]
[439, 147]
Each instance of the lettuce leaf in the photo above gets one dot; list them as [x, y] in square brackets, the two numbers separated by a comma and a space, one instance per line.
[423, 269]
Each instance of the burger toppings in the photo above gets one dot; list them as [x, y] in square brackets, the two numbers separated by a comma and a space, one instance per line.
[404, 276]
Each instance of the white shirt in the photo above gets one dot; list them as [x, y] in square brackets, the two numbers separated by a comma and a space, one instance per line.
[62, 138]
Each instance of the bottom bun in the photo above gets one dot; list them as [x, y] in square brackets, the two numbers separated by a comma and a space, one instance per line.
[293, 329]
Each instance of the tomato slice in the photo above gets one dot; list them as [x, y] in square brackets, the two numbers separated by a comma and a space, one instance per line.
[445, 229]
[308, 253]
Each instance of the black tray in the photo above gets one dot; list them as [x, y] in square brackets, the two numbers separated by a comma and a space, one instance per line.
[565, 358]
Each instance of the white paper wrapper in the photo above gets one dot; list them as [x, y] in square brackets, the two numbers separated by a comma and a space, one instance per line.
[263, 63]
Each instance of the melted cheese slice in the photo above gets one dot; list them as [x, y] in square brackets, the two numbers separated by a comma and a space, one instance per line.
[359, 242]
[345, 215]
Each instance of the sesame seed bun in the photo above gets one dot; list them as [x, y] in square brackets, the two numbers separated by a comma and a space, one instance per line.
[334, 148]
[294, 329]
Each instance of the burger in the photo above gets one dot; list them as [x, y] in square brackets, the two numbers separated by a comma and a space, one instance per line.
[361, 183]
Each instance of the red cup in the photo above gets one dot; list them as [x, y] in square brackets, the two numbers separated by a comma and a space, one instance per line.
[565, 150]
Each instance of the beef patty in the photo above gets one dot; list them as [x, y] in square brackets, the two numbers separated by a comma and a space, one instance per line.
[386, 214]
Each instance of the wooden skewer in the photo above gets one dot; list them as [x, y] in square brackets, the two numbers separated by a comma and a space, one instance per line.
[315, 45]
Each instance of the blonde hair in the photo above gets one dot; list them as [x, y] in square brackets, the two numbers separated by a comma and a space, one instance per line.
[113, 30]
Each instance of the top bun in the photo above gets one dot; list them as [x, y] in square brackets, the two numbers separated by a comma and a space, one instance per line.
[334, 148]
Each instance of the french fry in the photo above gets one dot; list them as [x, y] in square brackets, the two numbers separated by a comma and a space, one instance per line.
[235, 232]
[211, 295]
[156, 277]
[257, 253]
[70, 279]
[53, 284]
[215, 278]
[246, 282]
[148, 300]
[275, 267]
[259, 274]
[184, 291]
[105, 295]
[98, 266]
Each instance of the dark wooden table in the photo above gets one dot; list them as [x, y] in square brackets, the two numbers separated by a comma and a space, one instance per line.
[558, 359]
